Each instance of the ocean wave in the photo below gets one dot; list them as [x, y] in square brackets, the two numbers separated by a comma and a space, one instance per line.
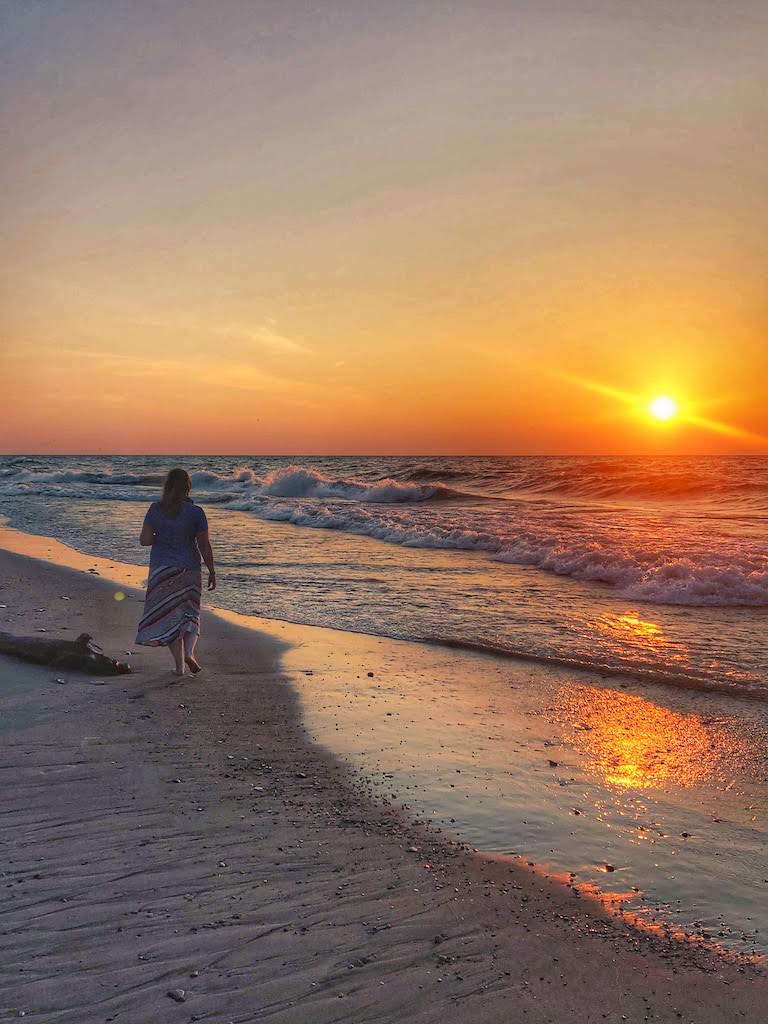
[430, 473]
[554, 479]
[661, 479]
[31, 479]
[304, 482]
[637, 569]
[287, 482]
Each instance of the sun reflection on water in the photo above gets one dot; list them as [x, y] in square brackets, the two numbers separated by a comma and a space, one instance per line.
[630, 628]
[635, 744]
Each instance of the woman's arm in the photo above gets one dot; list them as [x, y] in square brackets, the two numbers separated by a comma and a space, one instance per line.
[147, 535]
[206, 552]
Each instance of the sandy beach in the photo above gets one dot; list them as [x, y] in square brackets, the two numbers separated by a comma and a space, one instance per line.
[183, 851]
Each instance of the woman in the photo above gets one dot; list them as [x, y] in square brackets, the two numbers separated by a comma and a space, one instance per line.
[177, 531]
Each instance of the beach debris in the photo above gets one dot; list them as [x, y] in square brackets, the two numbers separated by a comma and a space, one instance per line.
[81, 655]
[609, 867]
[370, 675]
[63, 597]
[94, 571]
[178, 995]
[361, 961]
[553, 764]
[60, 681]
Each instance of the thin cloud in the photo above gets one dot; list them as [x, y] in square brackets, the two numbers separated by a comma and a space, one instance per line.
[265, 336]
[233, 376]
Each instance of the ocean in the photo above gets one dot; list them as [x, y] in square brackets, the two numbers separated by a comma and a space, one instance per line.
[657, 568]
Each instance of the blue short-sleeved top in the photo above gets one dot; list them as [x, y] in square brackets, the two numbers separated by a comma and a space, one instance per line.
[175, 539]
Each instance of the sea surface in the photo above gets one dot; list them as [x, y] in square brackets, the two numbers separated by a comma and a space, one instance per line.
[588, 689]
[655, 567]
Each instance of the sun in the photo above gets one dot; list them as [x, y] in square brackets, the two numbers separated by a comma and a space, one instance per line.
[663, 408]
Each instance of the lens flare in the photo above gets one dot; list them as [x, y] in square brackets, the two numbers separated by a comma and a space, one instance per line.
[663, 408]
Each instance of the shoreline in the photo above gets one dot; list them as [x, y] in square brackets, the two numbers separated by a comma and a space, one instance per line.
[344, 909]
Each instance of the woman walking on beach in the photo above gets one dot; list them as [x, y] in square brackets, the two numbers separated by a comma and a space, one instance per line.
[177, 531]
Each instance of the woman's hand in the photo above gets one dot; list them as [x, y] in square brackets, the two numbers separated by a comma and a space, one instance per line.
[206, 552]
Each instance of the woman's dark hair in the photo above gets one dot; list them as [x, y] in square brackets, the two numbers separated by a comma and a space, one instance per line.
[177, 486]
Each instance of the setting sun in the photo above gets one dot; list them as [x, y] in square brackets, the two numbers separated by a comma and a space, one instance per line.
[663, 408]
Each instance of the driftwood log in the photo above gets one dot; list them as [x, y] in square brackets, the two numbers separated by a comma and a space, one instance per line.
[81, 655]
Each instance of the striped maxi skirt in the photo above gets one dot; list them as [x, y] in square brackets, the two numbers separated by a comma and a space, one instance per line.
[171, 606]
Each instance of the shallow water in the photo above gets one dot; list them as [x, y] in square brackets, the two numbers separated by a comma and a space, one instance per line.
[613, 785]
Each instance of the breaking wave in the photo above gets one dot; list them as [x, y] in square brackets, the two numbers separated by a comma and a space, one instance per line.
[286, 482]
[303, 482]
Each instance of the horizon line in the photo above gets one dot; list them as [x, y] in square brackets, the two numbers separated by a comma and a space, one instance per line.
[388, 455]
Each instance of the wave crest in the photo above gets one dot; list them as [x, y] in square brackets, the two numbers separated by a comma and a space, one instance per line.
[303, 482]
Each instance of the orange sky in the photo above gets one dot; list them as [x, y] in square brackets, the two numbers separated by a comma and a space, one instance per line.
[396, 228]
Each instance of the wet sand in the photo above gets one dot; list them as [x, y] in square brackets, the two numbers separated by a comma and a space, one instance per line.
[165, 836]
[568, 769]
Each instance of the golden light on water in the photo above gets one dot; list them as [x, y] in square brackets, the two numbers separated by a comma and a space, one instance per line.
[635, 744]
[663, 408]
[629, 628]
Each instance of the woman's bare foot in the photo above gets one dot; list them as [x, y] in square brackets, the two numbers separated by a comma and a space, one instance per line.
[179, 670]
[194, 665]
